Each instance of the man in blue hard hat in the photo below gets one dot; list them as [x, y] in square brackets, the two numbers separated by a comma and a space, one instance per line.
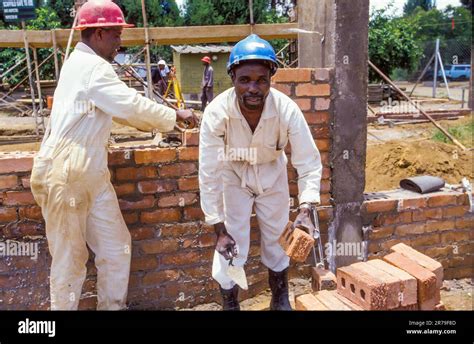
[242, 165]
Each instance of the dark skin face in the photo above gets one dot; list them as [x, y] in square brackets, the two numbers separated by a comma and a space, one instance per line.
[105, 42]
[252, 85]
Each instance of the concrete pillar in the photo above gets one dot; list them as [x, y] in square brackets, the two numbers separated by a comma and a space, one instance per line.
[315, 36]
[349, 126]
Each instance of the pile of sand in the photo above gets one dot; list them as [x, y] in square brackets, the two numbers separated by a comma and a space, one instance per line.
[388, 163]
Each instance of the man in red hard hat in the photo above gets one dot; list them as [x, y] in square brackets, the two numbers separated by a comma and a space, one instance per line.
[70, 179]
[207, 83]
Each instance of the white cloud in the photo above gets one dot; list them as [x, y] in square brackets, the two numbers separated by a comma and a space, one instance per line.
[398, 4]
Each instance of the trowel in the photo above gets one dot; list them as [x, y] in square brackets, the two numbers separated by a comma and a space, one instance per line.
[237, 274]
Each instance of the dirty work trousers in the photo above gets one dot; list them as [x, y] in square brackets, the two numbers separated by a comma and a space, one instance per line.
[272, 210]
[80, 207]
[207, 94]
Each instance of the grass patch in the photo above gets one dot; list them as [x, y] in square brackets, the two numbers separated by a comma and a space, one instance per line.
[464, 133]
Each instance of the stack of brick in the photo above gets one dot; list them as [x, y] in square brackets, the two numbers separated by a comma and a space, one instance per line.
[404, 280]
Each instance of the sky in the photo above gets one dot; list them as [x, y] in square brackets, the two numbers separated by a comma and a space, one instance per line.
[398, 4]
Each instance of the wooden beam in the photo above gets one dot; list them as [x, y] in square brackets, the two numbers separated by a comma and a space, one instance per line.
[158, 35]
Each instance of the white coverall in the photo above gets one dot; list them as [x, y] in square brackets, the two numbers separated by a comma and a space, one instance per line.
[239, 169]
[71, 182]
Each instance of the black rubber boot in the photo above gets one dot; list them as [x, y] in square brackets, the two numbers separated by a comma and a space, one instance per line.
[279, 285]
[230, 299]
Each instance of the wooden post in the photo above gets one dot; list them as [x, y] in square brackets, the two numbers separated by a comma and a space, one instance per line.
[147, 53]
[55, 51]
[30, 77]
[38, 86]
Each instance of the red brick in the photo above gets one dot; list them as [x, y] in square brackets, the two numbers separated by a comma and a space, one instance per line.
[320, 131]
[465, 223]
[424, 240]
[12, 163]
[188, 184]
[407, 295]
[412, 203]
[322, 279]
[426, 280]
[153, 156]
[8, 182]
[130, 218]
[136, 173]
[292, 75]
[386, 219]
[382, 232]
[322, 104]
[427, 214]
[283, 88]
[25, 181]
[18, 198]
[326, 173]
[323, 145]
[143, 203]
[120, 157]
[124, 189]
[8, 214]
[441, 200]
[156, 186]
[142, 233]
[188, 153]
[159, 277]
[303, 103]
[451, 236]
[321, 74]
[178, 170]
[180, 229]
[191, 138]
[32, 213]
[192, 214]
[161, 215]
[376, 206]
[319, 117]
[159, 246]
[182, 258]
[421, 259]
[143, 263]
[312, 90]
[458, 211]
[180, 199]
[409, 229]
[463, 199]
[361, 288]
[308, 302]
[437, 226]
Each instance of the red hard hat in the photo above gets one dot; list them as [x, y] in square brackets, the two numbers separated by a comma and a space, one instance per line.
[100, 13]
[206, 59]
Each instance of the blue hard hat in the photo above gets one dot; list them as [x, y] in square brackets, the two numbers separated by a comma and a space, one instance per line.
[252, 48]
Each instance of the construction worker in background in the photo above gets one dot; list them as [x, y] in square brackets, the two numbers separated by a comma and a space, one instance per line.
[207, 83]
[70, 179]
[160, 77]
[242, 164]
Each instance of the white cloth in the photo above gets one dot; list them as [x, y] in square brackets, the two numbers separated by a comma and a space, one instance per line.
[71, 182]
[238, 168]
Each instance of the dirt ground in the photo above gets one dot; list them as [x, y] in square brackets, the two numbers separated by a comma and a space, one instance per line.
[455, 294]
[407, 150]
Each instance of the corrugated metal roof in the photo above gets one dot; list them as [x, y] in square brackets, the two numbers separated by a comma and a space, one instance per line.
[201, 49]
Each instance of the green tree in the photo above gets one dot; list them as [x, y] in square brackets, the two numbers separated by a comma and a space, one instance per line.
[411, 5]
[392, 43]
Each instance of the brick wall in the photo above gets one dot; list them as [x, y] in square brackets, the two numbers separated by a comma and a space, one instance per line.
[158, 194]
[438, 225]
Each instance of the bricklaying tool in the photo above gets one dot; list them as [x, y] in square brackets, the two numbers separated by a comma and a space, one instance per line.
[318, 258]
[467, 188]
[237, 273]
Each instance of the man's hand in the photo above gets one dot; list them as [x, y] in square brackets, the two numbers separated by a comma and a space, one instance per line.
[303, 220]
[225, 244]
[188, 118]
